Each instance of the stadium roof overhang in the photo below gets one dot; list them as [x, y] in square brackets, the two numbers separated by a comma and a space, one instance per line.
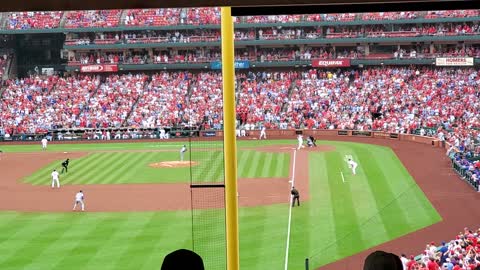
[246, 7]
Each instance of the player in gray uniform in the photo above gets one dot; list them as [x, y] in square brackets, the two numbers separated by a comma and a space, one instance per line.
[182, 152]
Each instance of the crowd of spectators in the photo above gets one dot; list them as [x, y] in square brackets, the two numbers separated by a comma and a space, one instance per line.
[163, 102]
[34, 20]
[114, 100]
[152, 17]
[92, 18]
[461, 253]
[197, 16]
[22, 105]
[443, 101]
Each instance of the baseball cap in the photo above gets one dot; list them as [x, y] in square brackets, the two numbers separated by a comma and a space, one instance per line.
[380, 260]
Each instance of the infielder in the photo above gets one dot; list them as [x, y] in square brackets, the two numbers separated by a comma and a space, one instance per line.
[300, 142]
[353, 165]
[263, 133]
[44, 143]
[182, 152]
[55, 179]
[79, 200]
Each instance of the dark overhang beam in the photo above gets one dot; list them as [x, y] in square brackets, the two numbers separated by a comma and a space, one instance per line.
[245, 7]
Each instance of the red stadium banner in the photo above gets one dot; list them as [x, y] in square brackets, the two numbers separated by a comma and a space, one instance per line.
[454, 61]
[330, 62]
[99, 68]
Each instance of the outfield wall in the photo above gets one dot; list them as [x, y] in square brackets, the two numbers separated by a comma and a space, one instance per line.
[271, 134]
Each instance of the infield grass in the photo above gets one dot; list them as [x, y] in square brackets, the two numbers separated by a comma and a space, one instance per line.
[342, 217]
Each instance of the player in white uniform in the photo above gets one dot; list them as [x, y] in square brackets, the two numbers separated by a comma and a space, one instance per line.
[353, 165]
[55, 179]
[182, 152]
[263, 133]
[300, 142]
[79, 200]
[44, 143]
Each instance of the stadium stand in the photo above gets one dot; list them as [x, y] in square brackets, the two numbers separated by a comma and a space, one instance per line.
[34, 20]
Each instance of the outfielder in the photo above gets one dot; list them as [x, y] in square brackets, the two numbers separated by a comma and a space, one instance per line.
[55, 179]
[263, 133]
[44, 143]
[353, 165]
[182, 152]
[300, 142]
[79, 200]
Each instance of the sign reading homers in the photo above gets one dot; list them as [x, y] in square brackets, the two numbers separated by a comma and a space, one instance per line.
[238, 64]
[454, 61]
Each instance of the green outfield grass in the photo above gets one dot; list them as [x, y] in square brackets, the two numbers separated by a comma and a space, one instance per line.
[343, 216]
[132, 167]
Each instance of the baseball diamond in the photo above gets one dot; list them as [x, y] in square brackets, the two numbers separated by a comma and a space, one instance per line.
[383, 204]
[338, 140]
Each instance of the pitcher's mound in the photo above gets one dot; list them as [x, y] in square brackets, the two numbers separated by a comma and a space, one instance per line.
[173, 164]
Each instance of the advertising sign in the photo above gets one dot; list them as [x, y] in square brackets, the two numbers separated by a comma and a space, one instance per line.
[99, 68]
[330, 62]
[454, 61]
[238, 64]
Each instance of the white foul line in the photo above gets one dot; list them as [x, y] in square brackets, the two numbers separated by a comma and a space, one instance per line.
[290, 210]
[343, 179]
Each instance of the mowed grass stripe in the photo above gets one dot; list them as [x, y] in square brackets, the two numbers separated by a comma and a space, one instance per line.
[199, 173]
[219, 175]
[420, 211]
[320, 215]
[136, 167]
[213, 167]
[267, 170]
[109, 240]
[123, 170]
[80, 175]
[253, 164]
[42, 177]
[153, 232]
[245, 156]
[18, 237]
[123, 254]
[25, 256]
[261, 164]
[313, 216]
[281, 165]
[372, 227]
[267, 225]
[390, 211]
[345, 219]
[179, 236]
[87, 246]
[92, 176]
[118, 162]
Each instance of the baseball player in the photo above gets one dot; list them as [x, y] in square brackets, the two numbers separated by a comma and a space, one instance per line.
[182, 152]
[353, 165]
[44, 143]
[79, 200]
[65, 165]
[300, 142]
[263, 133]
[296, 196]
[55, 179]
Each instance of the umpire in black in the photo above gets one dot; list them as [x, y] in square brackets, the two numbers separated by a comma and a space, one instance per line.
[65, 165]
[296, 196]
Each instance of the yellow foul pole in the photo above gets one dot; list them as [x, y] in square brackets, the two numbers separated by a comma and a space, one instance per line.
[229, 139]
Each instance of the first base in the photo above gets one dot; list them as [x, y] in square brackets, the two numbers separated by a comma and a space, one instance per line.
[65, 152]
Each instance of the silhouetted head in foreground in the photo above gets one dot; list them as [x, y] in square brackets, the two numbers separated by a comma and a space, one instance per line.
[182, 259]
[380, 260]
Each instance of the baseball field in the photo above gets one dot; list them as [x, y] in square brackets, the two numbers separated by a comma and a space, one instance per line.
[138, 199]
